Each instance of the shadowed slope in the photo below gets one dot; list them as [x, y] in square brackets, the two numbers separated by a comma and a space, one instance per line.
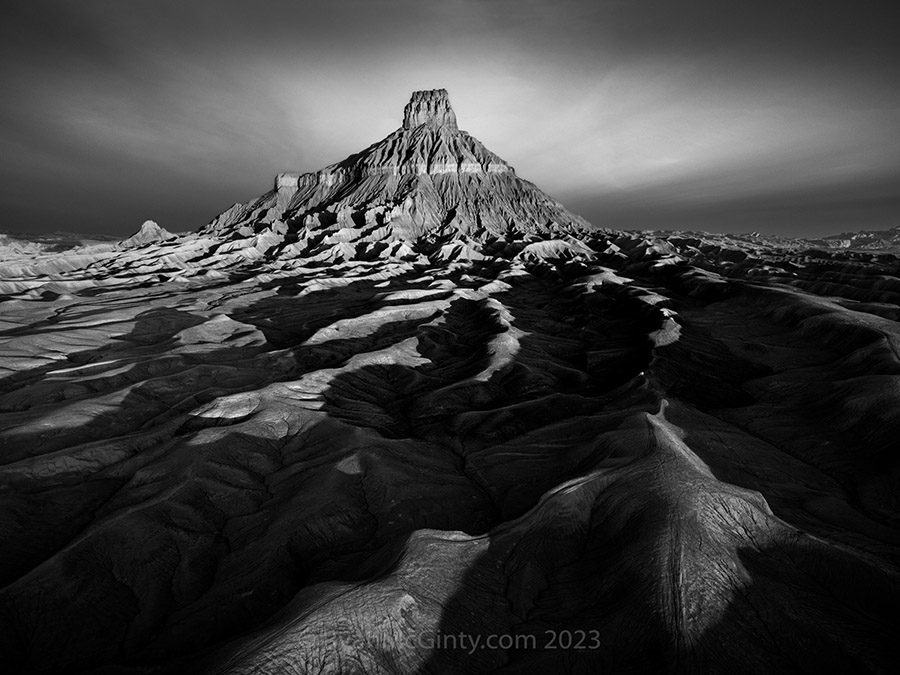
[287, 442]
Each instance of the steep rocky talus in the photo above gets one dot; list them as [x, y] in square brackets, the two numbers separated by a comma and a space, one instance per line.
[407, 414]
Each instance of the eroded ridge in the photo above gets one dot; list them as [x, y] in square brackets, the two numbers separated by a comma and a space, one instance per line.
[321, 464]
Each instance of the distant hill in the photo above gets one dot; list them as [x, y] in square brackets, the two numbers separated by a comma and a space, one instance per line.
[51, 242]
[882, 240]
[16, 245]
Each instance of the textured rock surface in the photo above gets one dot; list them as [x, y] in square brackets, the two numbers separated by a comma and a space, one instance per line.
[323, 434]
[428, 179]
[430, 108]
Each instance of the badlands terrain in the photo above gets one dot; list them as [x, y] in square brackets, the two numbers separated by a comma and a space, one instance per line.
[410, 396]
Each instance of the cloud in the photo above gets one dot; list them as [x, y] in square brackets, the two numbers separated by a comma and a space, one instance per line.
[174, 110]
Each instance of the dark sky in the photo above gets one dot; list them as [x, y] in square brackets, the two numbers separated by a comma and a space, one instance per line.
[779, 116]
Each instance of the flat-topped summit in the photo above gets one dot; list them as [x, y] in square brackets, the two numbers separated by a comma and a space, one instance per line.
[426, 179]
[429, 107]
[429, 142]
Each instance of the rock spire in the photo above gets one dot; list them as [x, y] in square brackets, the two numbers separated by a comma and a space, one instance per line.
[429, 107]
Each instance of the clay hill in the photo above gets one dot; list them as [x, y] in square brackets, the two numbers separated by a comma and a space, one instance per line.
[409, 397]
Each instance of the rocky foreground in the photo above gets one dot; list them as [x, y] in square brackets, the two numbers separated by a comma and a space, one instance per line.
[410, 397]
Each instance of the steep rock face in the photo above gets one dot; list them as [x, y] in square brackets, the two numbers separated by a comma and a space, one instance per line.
[431, 107]
[428, 178]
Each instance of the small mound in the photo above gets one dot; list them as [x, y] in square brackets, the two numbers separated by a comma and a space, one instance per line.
[150, 233]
